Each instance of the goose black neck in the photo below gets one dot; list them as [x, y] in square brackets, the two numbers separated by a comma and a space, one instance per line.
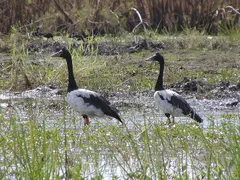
[72, 85]
[159, 84]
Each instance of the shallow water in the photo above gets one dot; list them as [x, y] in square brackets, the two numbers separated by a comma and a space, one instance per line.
[132, 107]
[44, 104]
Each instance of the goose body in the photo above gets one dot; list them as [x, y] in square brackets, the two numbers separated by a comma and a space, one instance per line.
[90, 103]
[163, 99]
[170, 102]
[85, 102]
[81, 101]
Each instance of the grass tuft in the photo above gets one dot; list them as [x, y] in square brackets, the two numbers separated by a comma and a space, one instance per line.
[34, 148]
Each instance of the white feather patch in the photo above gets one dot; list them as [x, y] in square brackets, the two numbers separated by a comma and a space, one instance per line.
[77, 103]
[164, 105]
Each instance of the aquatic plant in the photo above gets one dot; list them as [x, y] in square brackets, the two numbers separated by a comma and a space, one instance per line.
[49, 141]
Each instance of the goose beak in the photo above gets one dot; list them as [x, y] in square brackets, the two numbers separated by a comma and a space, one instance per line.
[57, 54]
[152, 58]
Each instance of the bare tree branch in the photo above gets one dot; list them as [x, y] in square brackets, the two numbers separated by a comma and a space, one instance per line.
[140, 18]
[63, 12]
[115, 16]
[233, 9]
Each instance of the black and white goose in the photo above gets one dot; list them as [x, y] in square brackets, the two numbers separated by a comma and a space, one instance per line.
[170, 102]
[86, 102]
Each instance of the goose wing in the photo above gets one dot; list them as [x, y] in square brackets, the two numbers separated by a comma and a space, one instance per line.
[108, 103]
[91, 98]
[174, 100]
[179, 102]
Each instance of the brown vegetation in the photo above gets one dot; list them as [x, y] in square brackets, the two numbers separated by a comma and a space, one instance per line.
[105, 16]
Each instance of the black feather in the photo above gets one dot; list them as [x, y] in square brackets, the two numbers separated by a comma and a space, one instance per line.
[181, 103]
[100, 103]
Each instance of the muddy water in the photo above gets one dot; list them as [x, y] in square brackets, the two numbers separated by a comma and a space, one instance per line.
[44, 103]
[134, 108]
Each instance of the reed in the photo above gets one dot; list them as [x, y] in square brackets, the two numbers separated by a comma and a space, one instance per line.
[45, 143]
[105, 16]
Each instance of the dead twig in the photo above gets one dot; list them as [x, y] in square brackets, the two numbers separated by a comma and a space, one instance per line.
[140, 18]
[63, 12]
[93, 22]
[233, 9]
[115, 16]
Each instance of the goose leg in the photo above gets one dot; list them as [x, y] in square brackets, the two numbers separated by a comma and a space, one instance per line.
[173, 119]
[168, 116]
[86, 120]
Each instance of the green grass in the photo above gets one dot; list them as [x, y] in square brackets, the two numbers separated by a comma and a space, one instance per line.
[45, 140]
[190, 54]
[43, 144]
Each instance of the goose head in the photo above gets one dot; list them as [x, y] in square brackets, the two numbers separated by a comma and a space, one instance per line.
[156, 57]
[64, 53]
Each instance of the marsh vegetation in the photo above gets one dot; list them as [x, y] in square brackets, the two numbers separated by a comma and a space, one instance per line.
[42, 138]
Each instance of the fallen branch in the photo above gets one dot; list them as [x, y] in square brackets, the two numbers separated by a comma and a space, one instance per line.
[233, 9]
[140, 18]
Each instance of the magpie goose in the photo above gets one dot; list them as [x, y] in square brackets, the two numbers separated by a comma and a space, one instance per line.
[86, 102]
[170, 102]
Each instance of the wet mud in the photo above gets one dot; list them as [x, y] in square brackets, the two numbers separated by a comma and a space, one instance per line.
[214, 96]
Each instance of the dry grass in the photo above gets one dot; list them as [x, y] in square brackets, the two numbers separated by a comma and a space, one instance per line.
[105, 16]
